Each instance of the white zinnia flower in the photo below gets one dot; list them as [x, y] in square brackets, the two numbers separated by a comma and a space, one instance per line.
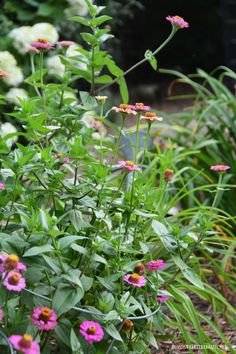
[9, 65]
[46, 31]
[22, 38]
[14, 94]
[8, 128]
[77, 7]
[7, 60]
[55, 66]
[70, 94]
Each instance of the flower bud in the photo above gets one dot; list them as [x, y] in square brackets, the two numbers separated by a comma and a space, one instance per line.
[127, 325]
[168, 175]
[139, 268]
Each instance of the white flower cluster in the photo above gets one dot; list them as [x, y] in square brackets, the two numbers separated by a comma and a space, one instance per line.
[75, 51]
[14, 94]
[55, 65]
[76, 8]
[25, 35]
[9, 65]
[8, 128]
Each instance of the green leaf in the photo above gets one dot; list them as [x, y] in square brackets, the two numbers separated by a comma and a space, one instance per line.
[89, 38]
[113, 332]
[65, 298]
[84, 21]
[187, 272]
[123, 89]
[167, 239]
[34, 251]
[101, 19]
[150, 57]
[74, 342]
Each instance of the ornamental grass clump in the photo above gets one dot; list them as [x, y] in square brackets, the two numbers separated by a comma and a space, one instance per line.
[92, 258]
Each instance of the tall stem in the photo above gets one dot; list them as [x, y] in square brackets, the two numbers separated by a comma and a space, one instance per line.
[146, 143]
[137, 139]
[141, 61]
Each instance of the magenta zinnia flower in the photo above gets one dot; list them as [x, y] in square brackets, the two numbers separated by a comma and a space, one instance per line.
[177, 21]
[92, 331]
[1, 314]
[124, 108]
[41, 44]
[135, 279]
[162, 298]
[66, 43]
[129, 165]
[24, 344]
[140, 107]
[156, 265]
[44, 318]
[2, 185]
[220, 168]
[14, 282]
[11, 262]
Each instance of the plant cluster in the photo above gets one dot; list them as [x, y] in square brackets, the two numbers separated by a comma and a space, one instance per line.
[95, 256]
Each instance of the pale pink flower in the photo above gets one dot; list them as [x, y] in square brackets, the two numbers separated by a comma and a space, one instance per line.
[3, 73]
[135, 279]
[124, 108]
[177, 21]
[156, 265]
[66, 43]
[66, 159]
[14, 282]
[33, 50]
[129, 165]
[92, 331]
[24, 344]
[11, 262]
[220, 168]
[151, 116]
[44, 319]
[1, 314]
[42, 44]
[140, 107]
[2, 185]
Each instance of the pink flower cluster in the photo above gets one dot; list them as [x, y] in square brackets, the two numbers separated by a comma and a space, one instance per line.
[41, 43]
[92, 331]
[24, 344]
[10, 268]
[159, 264]
[220, 168]
[44, 318]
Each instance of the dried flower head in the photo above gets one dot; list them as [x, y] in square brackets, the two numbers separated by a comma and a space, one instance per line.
[127, 325]
[139, 268]
[177, 21]
[168, 174]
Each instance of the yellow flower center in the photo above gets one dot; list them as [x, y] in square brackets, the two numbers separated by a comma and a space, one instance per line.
[134, 278]
[129, 163]
[26, 341]
[150, 114]
[91, 330]
[14, 279]
[11, 262]
[43, 40]
[45, 314]
[124, 106]
[139, 104]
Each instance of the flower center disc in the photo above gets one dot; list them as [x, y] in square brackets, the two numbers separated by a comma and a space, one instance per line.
[134, 278]
[11, 262]
[45, 314]
[26, 341]
[91, 330]
[123, 106]
[14, 279]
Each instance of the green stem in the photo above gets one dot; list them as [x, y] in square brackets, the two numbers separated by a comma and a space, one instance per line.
[137, 139]
[33, 71]
[92, 88]
[141, 61]
[146, 143]
[101, 137]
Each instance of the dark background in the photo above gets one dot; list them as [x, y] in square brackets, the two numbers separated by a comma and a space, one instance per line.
[210, 40]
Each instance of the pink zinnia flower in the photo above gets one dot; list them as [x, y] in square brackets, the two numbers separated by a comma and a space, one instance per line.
[220, 168]
[156, 265]
[66, 43]
[162, 298]
[92, 331]
[24, 344]
[2, 185]
[135, 279]
[66, 159]
[14, 282]
[41, 44]
[33, 50]
[140, 107]
[1, 314]
[44, 318]
[151, 116]
[129, 165]
[11, 262]
[124, 108]
[3, 73]
[177, 21]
